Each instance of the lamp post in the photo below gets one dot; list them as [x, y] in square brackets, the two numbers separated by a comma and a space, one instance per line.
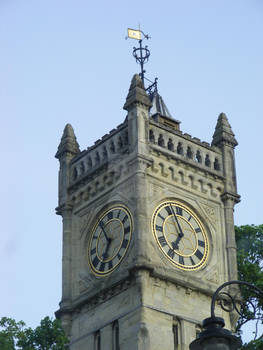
[214, 336]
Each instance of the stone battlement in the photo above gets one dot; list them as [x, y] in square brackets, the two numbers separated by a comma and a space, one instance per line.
[104, 150]
[189, 149]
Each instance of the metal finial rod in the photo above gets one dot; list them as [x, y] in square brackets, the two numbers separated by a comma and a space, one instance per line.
[141, 54]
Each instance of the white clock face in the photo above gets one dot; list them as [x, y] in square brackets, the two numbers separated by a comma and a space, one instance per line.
[180, 235]
[109, 240]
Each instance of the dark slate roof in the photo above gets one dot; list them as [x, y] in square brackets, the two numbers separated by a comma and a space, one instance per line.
[159, 106]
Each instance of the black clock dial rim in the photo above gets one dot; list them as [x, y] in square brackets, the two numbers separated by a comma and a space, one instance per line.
[98, 265]
[191, 262]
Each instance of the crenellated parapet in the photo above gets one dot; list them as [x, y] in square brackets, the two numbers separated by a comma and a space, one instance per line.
[105, 150]
[189, 150]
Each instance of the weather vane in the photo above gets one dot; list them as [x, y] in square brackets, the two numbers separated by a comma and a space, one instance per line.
[141, 55]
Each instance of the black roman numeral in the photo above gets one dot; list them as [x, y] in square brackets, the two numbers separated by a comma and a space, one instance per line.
[168, 209]
[119, 256]
[102, 267]
[192, 261]
[198, 254]
[179, 211]
[190, 217]
[95, 261]
[201, 243]
[159, 228]
[171, 253]
[161, 217]
[118, 215]
[124, 219]
[127, 230]
[110, 264]
[93, 251]
[124, 243]
[197, 230]
[162, 241]
[110, 215]
[181, 260]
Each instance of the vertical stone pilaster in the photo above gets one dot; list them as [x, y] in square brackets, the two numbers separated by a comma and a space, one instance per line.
[141, 224]
[137, 104]
[66, 255]
[67, 149]
[106, 334]
[64, 313]
[224, 138]
[229, 202]
[188, 334]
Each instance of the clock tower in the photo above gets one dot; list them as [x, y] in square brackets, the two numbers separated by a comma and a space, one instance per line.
[148, 230]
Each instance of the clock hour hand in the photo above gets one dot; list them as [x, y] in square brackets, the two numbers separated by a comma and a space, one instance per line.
[103, 230]
[176, 242]
[105, 255]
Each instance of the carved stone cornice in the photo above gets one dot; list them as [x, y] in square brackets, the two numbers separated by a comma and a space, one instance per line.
[140, 162]
[88, 177]
[91, 301]
[66, 207]
[234, 197]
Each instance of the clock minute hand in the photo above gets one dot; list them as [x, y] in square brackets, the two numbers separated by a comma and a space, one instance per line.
[177, 222]
[105, 234]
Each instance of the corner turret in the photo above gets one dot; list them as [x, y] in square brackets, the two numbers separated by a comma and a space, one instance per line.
[224, 138]
[67, 149]
[137, 104]
[223, 132]
[137, 94]
[68, 143]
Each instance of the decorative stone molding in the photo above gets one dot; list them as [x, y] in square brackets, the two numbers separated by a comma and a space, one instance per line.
[186, 176]
[210, 212]
[103, 295]
[230, 196]
[66, 207]
[102, 181]
[212, 275]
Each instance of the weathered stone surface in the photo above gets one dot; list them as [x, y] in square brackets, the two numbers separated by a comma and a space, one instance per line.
[140, 164]
[223, 132]
[68, 143]
[137, 94]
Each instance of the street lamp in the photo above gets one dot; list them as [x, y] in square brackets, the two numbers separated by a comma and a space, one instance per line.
[214, 336]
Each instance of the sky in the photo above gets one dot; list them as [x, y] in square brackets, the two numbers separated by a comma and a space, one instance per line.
[68, 61]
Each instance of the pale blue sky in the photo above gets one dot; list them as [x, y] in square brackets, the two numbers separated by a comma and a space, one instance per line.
[68, 61]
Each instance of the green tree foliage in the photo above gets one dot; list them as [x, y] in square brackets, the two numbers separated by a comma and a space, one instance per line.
[250, 269]
[16, 336]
